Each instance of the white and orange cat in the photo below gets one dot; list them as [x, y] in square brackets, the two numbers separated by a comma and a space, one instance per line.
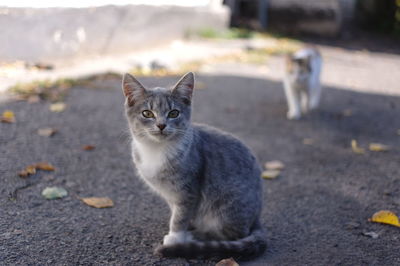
[302, 81]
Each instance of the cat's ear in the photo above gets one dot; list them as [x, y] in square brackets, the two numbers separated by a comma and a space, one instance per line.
[132, 89]
[184, 88]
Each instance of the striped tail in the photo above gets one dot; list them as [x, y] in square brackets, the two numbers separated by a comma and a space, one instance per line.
[245, 248]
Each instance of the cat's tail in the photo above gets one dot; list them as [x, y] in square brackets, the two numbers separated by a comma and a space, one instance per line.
[245, 248]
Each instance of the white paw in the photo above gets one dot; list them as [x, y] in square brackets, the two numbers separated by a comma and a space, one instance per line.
[293, 116]
[177, 238]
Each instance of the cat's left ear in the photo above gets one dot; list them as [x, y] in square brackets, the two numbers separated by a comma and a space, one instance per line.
[184, 88]
[132, 89]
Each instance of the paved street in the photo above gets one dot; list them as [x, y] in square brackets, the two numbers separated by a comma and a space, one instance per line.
[315, 213]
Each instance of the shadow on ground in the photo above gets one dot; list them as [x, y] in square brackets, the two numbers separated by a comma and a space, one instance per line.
[315, 213]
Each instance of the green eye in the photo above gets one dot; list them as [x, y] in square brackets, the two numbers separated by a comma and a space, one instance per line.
[173, 114]
[148, 114]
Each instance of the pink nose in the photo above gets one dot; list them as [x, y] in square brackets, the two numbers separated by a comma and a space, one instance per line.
[161, 126]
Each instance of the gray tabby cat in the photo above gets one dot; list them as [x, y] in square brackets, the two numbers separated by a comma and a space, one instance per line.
[209, 179]
[302, 81]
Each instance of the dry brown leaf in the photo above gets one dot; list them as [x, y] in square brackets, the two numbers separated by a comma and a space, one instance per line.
[44, 166]
[308, 141]
[227, 262]
[355, 148]
[270, 174]
[8, 117]
[98, 202]
[378, 147]
[274, 165]
[385, 217]
[29, 170]
[88, 147]
[57, 107]
[47, 132]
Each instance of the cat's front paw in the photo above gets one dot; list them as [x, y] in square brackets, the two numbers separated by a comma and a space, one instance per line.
[177, 238]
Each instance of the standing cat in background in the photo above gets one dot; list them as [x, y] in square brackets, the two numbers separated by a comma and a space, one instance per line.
[302, 81]
[210, 180]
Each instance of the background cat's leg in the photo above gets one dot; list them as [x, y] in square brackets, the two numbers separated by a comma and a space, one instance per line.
[304, 101]
[293, 101]
[315, 95]
[179, 223]
[315, 84]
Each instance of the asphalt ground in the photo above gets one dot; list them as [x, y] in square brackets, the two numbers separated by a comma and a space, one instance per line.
[315, 213]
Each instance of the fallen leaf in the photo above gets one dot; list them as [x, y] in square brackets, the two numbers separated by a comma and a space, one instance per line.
[378, 147]
[371, 234]
[29, 170]
[274, 165]
[47, 132]
[44, 166]
[7, 117]
[308, 141]
[270, 174]
[385, 217]
[57, 107]
[54, 192]
[98, 202]
[227, 262]
[88, 147]
[355, 147]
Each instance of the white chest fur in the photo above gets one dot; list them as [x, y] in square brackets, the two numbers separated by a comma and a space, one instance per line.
[152, 158]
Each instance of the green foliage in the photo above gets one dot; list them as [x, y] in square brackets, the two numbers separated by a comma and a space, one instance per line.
[233, 33]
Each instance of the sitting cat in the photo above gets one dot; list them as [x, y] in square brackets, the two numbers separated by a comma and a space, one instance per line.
[209, 179]
[302, 81]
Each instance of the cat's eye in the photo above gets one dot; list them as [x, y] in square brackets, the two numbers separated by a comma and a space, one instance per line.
[148, 114]
[173, 114]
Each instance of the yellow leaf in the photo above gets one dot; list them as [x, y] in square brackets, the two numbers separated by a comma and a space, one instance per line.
[44, 166]
[270, 174]
[227, 262]
[385, 217]
[29, 170]
[47, 132]
[8, 117]
[355, 147]
[274, 165]
[378, 147]
[98, 202]
[57, 107]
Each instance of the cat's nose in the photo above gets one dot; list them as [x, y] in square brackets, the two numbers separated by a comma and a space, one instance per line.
[161, 126]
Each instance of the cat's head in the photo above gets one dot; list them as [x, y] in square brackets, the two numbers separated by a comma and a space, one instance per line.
[158, 114]
[299, 68]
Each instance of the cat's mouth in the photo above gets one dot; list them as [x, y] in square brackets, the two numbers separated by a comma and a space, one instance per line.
[160, 134]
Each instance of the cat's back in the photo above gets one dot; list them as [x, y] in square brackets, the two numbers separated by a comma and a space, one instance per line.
[223, 148]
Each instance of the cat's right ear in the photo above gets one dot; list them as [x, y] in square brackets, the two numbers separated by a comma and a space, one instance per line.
[132, 89]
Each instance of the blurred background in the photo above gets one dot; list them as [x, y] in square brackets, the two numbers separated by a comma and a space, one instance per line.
[49, 40]
[61, 106]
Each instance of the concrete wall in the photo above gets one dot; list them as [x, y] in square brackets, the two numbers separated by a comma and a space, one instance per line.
[68, 33]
